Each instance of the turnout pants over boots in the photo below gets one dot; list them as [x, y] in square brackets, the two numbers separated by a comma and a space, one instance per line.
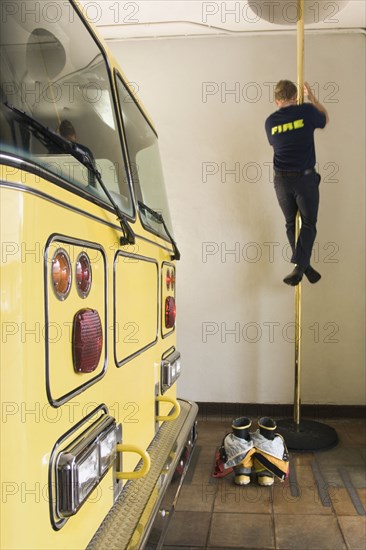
[299, 192]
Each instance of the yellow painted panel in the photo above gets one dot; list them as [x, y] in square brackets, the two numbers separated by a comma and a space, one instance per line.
[136, 304]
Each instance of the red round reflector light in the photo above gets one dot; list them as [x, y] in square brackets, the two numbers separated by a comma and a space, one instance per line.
[83, 275]
[87, 340]
[61, 274]
[170, 312]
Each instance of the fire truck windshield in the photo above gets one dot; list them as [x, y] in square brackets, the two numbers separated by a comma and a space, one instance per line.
[143, 150]
[53, 69]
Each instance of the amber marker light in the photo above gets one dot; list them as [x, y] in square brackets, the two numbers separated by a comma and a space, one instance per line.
[168, 279]
[170, 312]
[172, 280]
[83, 275]
[61, 274]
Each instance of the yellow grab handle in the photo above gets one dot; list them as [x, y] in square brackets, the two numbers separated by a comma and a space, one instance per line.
[165, 399]
[146, 462]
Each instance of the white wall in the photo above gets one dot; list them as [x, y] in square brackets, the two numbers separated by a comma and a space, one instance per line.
[212, 214]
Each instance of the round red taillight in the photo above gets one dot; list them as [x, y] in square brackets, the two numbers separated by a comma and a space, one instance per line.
[83, 275]
[61, 274]
[170, 312]
[87, 340]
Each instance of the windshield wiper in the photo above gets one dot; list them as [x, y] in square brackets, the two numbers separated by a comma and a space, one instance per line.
[159, 218]
[45, 135]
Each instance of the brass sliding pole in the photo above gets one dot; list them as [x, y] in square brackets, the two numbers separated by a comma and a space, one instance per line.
[298, 312]
[300, 51]
[302, 435]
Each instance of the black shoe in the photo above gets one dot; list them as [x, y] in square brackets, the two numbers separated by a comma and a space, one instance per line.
[312, 275]
[295, 276]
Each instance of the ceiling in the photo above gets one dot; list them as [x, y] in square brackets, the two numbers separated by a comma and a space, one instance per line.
[138, 19]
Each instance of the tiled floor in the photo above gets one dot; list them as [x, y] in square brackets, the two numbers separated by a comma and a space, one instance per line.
[321, 507]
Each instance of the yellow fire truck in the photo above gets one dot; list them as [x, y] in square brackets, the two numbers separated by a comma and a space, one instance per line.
[94, 442]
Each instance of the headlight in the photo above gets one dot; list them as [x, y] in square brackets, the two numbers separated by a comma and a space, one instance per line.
[88, 474]
[170, 370]
[108, 450]
[82, 465]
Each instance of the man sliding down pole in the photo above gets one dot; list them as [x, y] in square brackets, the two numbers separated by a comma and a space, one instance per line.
[290, 131]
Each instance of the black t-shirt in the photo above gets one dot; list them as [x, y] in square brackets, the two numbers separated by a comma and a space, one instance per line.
[290, 131]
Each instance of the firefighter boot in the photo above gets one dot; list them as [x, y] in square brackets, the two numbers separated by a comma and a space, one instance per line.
[241, 450]
[242, 475]
[265, 478]
[264, 441]
[271, 455]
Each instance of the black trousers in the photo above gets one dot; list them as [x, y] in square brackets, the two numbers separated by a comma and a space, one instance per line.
[299, 192]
